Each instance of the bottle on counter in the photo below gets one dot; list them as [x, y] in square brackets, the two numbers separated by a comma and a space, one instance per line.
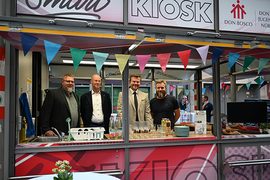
[119, 128]
[116, 127]
[168, 126]
[112, 128]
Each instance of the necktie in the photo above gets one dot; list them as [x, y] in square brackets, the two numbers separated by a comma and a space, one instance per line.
[136, 105]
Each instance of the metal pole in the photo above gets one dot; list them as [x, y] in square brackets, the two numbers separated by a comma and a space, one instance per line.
[102, 79]
[198, 77]
[233, 84]
[152, 83]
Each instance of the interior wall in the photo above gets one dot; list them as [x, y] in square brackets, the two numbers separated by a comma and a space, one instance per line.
[25, 71]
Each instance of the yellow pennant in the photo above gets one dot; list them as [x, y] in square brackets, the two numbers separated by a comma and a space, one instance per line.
[239, 87]
[179, 90]
[122, 60]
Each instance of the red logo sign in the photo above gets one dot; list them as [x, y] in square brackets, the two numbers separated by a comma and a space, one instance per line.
[237, 10]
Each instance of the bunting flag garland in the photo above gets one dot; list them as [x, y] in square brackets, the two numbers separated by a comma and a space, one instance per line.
[77, 56]
[179, 90]
[248, 85]
[216, 54]
[171, 88]
[51, 50]
[163, 60]
[203, 90]
[187, 91]
[193, 90]
[263, 84]
[239, 87]
[122, 60]
[247, 62]
[232, 59]
[262, 63]
[184, 56]
[203, 51]
[142, 60]
[27, 42]
[258, 80]
[211, 88]
[100, 58]
[223, 85]
[227, 87]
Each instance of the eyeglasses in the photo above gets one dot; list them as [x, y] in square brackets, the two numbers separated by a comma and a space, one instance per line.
[69, 81]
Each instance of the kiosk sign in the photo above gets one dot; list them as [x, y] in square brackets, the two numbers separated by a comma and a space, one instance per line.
[177, 13]
[245, 16]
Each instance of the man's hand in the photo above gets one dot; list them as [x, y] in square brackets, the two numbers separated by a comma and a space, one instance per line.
[50, 133]
[186, 102]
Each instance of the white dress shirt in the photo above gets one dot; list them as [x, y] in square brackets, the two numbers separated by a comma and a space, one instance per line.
[97, 116]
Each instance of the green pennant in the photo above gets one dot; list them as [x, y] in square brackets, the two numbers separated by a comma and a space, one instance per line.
[247, 62]
[77, 56]
[257, 80]
[262, 63]
[248, 85]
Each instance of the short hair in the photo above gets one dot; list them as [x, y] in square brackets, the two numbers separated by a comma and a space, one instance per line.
[183, 96]
[67, 75]
[206, 97]
[135, 75]
[161, 81]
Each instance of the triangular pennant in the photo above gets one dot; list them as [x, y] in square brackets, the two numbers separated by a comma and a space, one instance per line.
[193, 90]
[239, 87]
[100, 58]
[203, 90]
[77, 56]
[211, 88]
[258, 80]
[187, 91]
[51, 50]
[163, 60]
[262, 63]
[184, 56]
[223, 85]
[247, 62]
[227, 87]
[142, 60]
[27, 42]
[171, 88]
[179, 90]
[232, 59]
[216, 54]
[203, 51]
[263, 84]
[261, 80]
[122, 60]
[248, 85]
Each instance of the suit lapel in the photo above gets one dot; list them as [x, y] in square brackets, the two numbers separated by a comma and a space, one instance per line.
[131, 99]
[62, 95]
[89, 98]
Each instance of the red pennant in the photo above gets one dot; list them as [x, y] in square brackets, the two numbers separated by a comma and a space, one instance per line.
[227, 87]
[163, 60]
[184, 56]
[223, 85]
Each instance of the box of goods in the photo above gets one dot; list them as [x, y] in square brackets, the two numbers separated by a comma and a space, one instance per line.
[200, 128]
[181, 131]
[87, 133]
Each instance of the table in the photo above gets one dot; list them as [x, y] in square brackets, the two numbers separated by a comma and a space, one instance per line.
[80, 176]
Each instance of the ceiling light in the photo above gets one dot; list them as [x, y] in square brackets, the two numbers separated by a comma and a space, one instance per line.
[93, 62]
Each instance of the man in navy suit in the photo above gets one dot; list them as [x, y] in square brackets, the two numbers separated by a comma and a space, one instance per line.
[96, 106]
[59, 105]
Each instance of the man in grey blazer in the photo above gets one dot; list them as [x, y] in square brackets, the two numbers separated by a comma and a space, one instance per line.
[96, 106]
[143, 105]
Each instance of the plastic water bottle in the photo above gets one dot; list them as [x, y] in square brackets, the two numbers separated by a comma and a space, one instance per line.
[119, 128]
[112, 128]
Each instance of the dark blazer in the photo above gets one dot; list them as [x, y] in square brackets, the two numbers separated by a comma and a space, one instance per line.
[55, 111]
[87, 109]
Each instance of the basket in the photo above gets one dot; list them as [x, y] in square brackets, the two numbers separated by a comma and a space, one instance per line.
[87, 133]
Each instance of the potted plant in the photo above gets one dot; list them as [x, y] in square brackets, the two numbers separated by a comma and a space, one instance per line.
[63, 171]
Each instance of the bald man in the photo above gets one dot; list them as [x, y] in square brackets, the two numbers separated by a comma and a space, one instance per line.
[96, 106]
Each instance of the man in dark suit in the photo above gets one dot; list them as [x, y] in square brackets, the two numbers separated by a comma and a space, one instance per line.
[96, 106]
[59, 105]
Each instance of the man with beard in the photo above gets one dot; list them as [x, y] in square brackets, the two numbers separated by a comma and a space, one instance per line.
[141, 112]
[164, 105]
[59, 105]
[96, 106]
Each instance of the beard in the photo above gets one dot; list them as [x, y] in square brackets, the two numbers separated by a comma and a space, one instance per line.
[69, 89]
[161, 94]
